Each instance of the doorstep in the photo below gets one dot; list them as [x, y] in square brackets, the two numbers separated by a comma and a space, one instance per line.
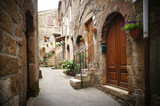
[123, 94]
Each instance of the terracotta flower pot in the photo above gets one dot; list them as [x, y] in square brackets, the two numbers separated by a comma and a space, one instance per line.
[135, 33]
[82, 40]
[94, 30]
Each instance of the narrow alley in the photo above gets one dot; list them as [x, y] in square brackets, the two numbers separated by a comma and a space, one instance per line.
[55, 90]
[104, 52]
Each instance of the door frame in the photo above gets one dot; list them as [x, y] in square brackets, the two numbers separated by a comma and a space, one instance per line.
[114, 24]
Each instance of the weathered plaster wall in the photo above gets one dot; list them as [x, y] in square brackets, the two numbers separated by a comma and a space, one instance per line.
[13, 51]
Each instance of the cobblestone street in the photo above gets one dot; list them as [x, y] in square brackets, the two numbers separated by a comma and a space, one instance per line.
[55, 90]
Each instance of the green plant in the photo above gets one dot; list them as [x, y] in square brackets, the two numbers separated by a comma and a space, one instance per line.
[68, 65]
[130, 25]
[58, 44]
[45, 61]
[78, 62]
[51, 43]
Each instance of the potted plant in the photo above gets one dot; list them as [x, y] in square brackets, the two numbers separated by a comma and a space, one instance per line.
[94, 30]
[133, 27]
[82, 39]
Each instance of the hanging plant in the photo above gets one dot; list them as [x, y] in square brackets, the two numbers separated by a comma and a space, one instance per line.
[94, 30]
[82, 39]
[133, 27]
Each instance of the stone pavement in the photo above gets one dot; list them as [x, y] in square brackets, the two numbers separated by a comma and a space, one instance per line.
[55, 90]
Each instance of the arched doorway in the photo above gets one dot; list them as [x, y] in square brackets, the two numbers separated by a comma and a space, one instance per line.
[116, 54]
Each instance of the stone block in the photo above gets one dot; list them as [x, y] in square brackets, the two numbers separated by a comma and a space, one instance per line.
[138, 83]
[24, 51]
[24, 84]
[103, 80]
[5, 21]
[117, 92]
[10, 45]
[13, 101]
[18, 31]
[4, 90]
[129, 60]
[9, 65]
[1, 40]
[15, 84]
[84, 77]
[9, 103]
[31, 50]
[75, 83]
[32, 74]
[16, 100]
[11, 7]
[20, 3]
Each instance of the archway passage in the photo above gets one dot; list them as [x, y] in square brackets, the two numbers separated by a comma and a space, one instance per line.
[116, 54]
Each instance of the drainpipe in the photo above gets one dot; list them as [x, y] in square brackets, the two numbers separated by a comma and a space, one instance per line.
[146, 50]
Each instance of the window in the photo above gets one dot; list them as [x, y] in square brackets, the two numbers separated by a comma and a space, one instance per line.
[50, 21]
[46, 39]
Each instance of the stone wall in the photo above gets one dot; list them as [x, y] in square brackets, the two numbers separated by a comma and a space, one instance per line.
[154, 43]
[14, 30]
[48, 26]
[101, 13]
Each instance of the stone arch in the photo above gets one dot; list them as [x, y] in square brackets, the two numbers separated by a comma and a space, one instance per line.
[115, 7]
[128, 14]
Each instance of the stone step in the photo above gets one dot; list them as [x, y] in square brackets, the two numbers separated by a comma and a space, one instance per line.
[85, 77]
[75, 83]
[89, 71]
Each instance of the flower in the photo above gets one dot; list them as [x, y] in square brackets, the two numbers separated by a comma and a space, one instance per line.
[44, 56]
[130, 25]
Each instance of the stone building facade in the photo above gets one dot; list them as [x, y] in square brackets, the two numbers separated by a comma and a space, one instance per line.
[19, 59]
[129, 83]
[65, 21]
[49, 29]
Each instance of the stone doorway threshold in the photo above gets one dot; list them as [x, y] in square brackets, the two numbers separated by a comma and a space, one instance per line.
[120, 93]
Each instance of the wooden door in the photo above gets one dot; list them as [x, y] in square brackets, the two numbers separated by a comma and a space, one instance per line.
[116, 54]
[90, 40]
